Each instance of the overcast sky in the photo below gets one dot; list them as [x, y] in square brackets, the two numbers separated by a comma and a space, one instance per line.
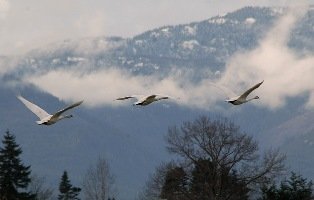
[29, 24]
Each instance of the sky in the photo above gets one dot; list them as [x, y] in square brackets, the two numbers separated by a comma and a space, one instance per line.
[26, 25]
[271, 60]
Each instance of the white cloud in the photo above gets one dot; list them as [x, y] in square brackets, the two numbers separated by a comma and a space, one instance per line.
[4, 8]
[285, 73]
[102, 87]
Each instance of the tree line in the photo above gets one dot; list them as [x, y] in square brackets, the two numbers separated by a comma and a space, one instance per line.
[17, 183]
[215, 160]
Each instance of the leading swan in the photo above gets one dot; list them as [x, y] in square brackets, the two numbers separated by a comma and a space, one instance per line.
[243, 97]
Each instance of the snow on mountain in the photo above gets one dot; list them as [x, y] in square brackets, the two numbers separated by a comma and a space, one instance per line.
[190, 30]
[250, 20]
[189, 45]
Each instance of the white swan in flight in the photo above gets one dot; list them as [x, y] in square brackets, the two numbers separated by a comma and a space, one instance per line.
[44, 117]
[143, 100]
[243, 97]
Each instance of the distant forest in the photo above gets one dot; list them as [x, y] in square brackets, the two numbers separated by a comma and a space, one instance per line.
[215, 161]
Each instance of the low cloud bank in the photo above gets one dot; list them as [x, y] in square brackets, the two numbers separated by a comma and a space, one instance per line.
[103, 87]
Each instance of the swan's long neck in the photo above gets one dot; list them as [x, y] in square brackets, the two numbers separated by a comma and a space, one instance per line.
[161, 98]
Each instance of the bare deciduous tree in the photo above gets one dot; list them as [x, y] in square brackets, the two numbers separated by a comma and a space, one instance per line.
[37, 186]
[98, 181]
[227, 149]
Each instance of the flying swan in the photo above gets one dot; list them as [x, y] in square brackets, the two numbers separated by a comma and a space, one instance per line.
[243, 97]
[143, 100]
[44, 117]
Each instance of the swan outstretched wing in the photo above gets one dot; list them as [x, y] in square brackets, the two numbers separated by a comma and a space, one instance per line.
[38, 111]
[126, 97]
[150, 97]
[246, 93]
[67, 108]
[144, 99]
[138, 97]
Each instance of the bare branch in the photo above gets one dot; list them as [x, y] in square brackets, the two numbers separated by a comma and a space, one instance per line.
[98, 181]
[227, 149]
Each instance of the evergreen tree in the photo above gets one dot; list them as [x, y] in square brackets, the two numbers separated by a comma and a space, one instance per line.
[175, 185]
[296, 188]
[67, 191]
[14, 176]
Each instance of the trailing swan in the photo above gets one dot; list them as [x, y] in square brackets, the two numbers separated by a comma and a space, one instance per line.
[44, 117]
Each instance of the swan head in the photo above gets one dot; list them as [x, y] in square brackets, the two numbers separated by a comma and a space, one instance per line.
[62, 117]
[256, 97]
[68, 116]
[160, 98]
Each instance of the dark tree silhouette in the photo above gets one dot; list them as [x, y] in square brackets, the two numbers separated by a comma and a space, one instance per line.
[222, 154]
[14, 176]
[154, 186]
[175, 185]
[295, 188]
[67, 191]
[204, 179]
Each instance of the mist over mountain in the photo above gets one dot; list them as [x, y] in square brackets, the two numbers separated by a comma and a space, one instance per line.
[164, 59]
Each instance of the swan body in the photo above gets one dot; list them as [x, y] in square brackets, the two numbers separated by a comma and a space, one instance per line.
[44, 117]
[238, 100]
[143, 100]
